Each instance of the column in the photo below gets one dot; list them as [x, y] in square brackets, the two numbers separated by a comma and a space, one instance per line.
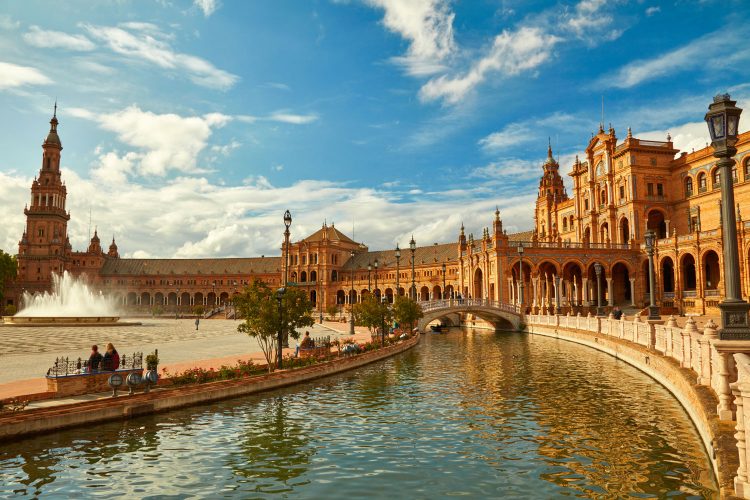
[585, 291]
[575, 291]
[609, 292]
[534, 282]
[632, 292]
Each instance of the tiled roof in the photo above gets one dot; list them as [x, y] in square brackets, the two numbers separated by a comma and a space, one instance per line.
[447, 252]
[523, 236]
[254, 265]
[329, 233]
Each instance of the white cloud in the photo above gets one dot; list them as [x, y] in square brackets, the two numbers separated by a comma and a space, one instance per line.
[653, 10]
[427, 25]
[57, 39]
[7, 22]
[284, 117]
[724, 48]
[164, 142]
[512, 52]
[511, 135]
[207, 6]
[589, 22]
[147, 46]
[13, 75]
[513, 169]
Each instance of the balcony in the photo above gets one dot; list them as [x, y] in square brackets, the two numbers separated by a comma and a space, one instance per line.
[711, 293]
[689, 293]
[656, 197]
[702, 189]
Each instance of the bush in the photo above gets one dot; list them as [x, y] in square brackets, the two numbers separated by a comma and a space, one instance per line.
[10, 310]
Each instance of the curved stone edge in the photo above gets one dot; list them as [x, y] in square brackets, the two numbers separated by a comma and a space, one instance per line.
[698, 401]
[42, 420]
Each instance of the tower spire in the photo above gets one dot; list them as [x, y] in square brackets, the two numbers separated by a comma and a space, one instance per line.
[54, 113]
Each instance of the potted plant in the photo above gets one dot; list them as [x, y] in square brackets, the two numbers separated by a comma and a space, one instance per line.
[152, 374]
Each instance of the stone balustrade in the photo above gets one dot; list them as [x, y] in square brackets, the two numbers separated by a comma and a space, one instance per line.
[723, 366]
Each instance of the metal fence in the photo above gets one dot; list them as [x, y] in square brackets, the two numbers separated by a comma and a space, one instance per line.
[65, 367]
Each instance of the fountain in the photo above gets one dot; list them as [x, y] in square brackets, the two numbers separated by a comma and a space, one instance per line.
[71, 303]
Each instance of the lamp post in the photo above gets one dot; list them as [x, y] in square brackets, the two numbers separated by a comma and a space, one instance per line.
[413, 248]
[443, 281]
[369, 270]
[319, 296]
[279, 296]
[352, 296]
[398, 269]
[213, 290]
[520, 276]
[598, 270]
[287, 223]
[384, 308]
[376, 280]
[176, 303]
[723, 119]
[653, 309]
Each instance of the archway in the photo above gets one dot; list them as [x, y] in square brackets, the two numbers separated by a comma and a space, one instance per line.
[711, 273]
[436, 294]
[172, 299]
[131, 299]
[449, 291]
[211, 299]
[587, 236]
[477, 289]
[198, 299]
[389, 295]
[621, 291]
[547, 283]
[594, 284]
[604, 233]
[352, 297]
[573, 278]
[687, 270]
[667, 275]
[377, 294]
[313, 276]
[624, 231]
[303, 277]
[145, 299]
[340, 297]
[656, 223]
[314, 298]
[185, 299]
[223, 298]
[424, 293]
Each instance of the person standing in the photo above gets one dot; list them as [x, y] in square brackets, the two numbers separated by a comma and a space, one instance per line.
[111, 360]
[197, 322]
[95, 359]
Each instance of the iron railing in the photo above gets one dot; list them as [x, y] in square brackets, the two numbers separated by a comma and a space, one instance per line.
[431, 305]
[65, 366]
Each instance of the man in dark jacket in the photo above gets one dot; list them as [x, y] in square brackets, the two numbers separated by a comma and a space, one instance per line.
[94, 360]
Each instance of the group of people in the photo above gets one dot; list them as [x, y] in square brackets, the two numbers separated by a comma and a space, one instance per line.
[107, 363]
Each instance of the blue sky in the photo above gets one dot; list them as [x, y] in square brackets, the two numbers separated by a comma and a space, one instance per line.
[189, 127]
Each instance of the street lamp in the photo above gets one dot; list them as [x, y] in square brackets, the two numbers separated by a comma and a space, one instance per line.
[723, 119]
[287, 223]
[653, 309]
[213, 290]
[598, 270]
[413, 248]
[443, 281]
[398, 269]
[376, 278]
[369, 270]
[520, 276]
[176, 303]
[352, 296]
[279, 296]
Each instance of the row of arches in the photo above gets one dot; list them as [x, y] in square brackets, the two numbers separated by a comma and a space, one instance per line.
[700, 183]
[424, 293]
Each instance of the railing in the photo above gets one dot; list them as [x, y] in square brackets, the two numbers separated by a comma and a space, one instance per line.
[689, 293]
[711, 293]
[656, 197]
[431, 305]
[64, 367]
[702, 189]
[668, 295]
[569, 244]
[655, 144]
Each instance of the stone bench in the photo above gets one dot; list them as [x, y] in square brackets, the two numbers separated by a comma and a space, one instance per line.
[314, 352]
[86, 383]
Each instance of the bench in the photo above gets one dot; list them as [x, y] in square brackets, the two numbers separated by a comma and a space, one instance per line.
[85, 383]
[314, 352]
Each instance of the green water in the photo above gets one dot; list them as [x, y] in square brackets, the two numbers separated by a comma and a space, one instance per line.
[473, 414]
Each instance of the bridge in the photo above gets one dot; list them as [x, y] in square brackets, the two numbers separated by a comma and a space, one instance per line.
[504, 316]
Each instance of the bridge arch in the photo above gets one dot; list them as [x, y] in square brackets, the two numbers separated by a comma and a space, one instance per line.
[503, 316]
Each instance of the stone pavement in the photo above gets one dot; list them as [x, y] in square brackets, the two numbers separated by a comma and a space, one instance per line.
[27, 352]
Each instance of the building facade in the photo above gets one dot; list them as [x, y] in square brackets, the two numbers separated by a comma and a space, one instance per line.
[621, 189]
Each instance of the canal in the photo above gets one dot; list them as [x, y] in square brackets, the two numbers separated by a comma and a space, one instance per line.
[468, 413]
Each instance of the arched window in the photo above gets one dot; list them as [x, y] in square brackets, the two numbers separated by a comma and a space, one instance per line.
[688, 187]
[746, 169]
[702, 182]
[565, 223]
[716, 179]
[734, 174]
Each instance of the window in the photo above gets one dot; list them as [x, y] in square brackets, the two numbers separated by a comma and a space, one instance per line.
[660, 189]
[734, 174]
[650, 188]
[716, 176]
[702, 182]
[746, 169]
[622, 192]
[565, 224]
[688, 187]
[586, 204]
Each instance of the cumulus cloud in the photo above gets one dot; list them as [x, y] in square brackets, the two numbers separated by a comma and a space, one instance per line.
[152, 47]
[589, 21]
[427, 25]
[295, 119]
[14, 75]
[653, 10]
[208, 7]
[57, 39]
[512, 52]
[7, 22]
[724, 48]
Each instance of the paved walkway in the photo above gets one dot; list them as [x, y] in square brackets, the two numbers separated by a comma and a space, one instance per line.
[180, 347]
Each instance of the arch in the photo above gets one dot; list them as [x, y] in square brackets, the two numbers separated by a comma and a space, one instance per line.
[436, 293]
[131, 299]
[340, 297]
[501, 319]
[711, 270]
[211, 299]
[172, 299]
[303, 277]
[424, 293]
[293, 277]
[572, 274]
[364, 294]
[185, 299]
[401, 291]
[594, 283]
[715, 178]
[687, 271]
[667, 275]
[477, 284]
[198, 299]
[145, 299]
[604, 232]
[334, 275]
[621, 292]
[377, 293]
[587, 236]
[656, 222]
[352, 297]
[565, 224]
[702, 182]
[313, 276]
[688, 186]
[389, 295]
[313, 298]
[624, 231]
[449, 291]
[223, 298]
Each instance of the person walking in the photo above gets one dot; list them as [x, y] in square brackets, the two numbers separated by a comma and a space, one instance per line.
[197, 322]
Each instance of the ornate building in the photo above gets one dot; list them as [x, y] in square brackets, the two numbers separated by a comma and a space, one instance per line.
[620, 190]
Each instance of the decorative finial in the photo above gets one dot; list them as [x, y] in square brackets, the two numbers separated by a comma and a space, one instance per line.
[630, 133]
[54, 113]
[549, 147]
[669, 137]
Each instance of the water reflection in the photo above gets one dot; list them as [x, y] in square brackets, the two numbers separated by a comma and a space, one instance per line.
[468, 413]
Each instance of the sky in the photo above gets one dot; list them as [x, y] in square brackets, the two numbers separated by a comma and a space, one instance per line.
[189, 128]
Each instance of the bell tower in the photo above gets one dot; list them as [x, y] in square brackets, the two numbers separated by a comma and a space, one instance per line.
[43, 247]
[551, 192]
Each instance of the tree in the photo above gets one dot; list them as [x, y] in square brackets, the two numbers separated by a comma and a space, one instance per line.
[258, 305]
[372, 313]
[406, 311]
[198, 310]
[332, 311]
[8, 269]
